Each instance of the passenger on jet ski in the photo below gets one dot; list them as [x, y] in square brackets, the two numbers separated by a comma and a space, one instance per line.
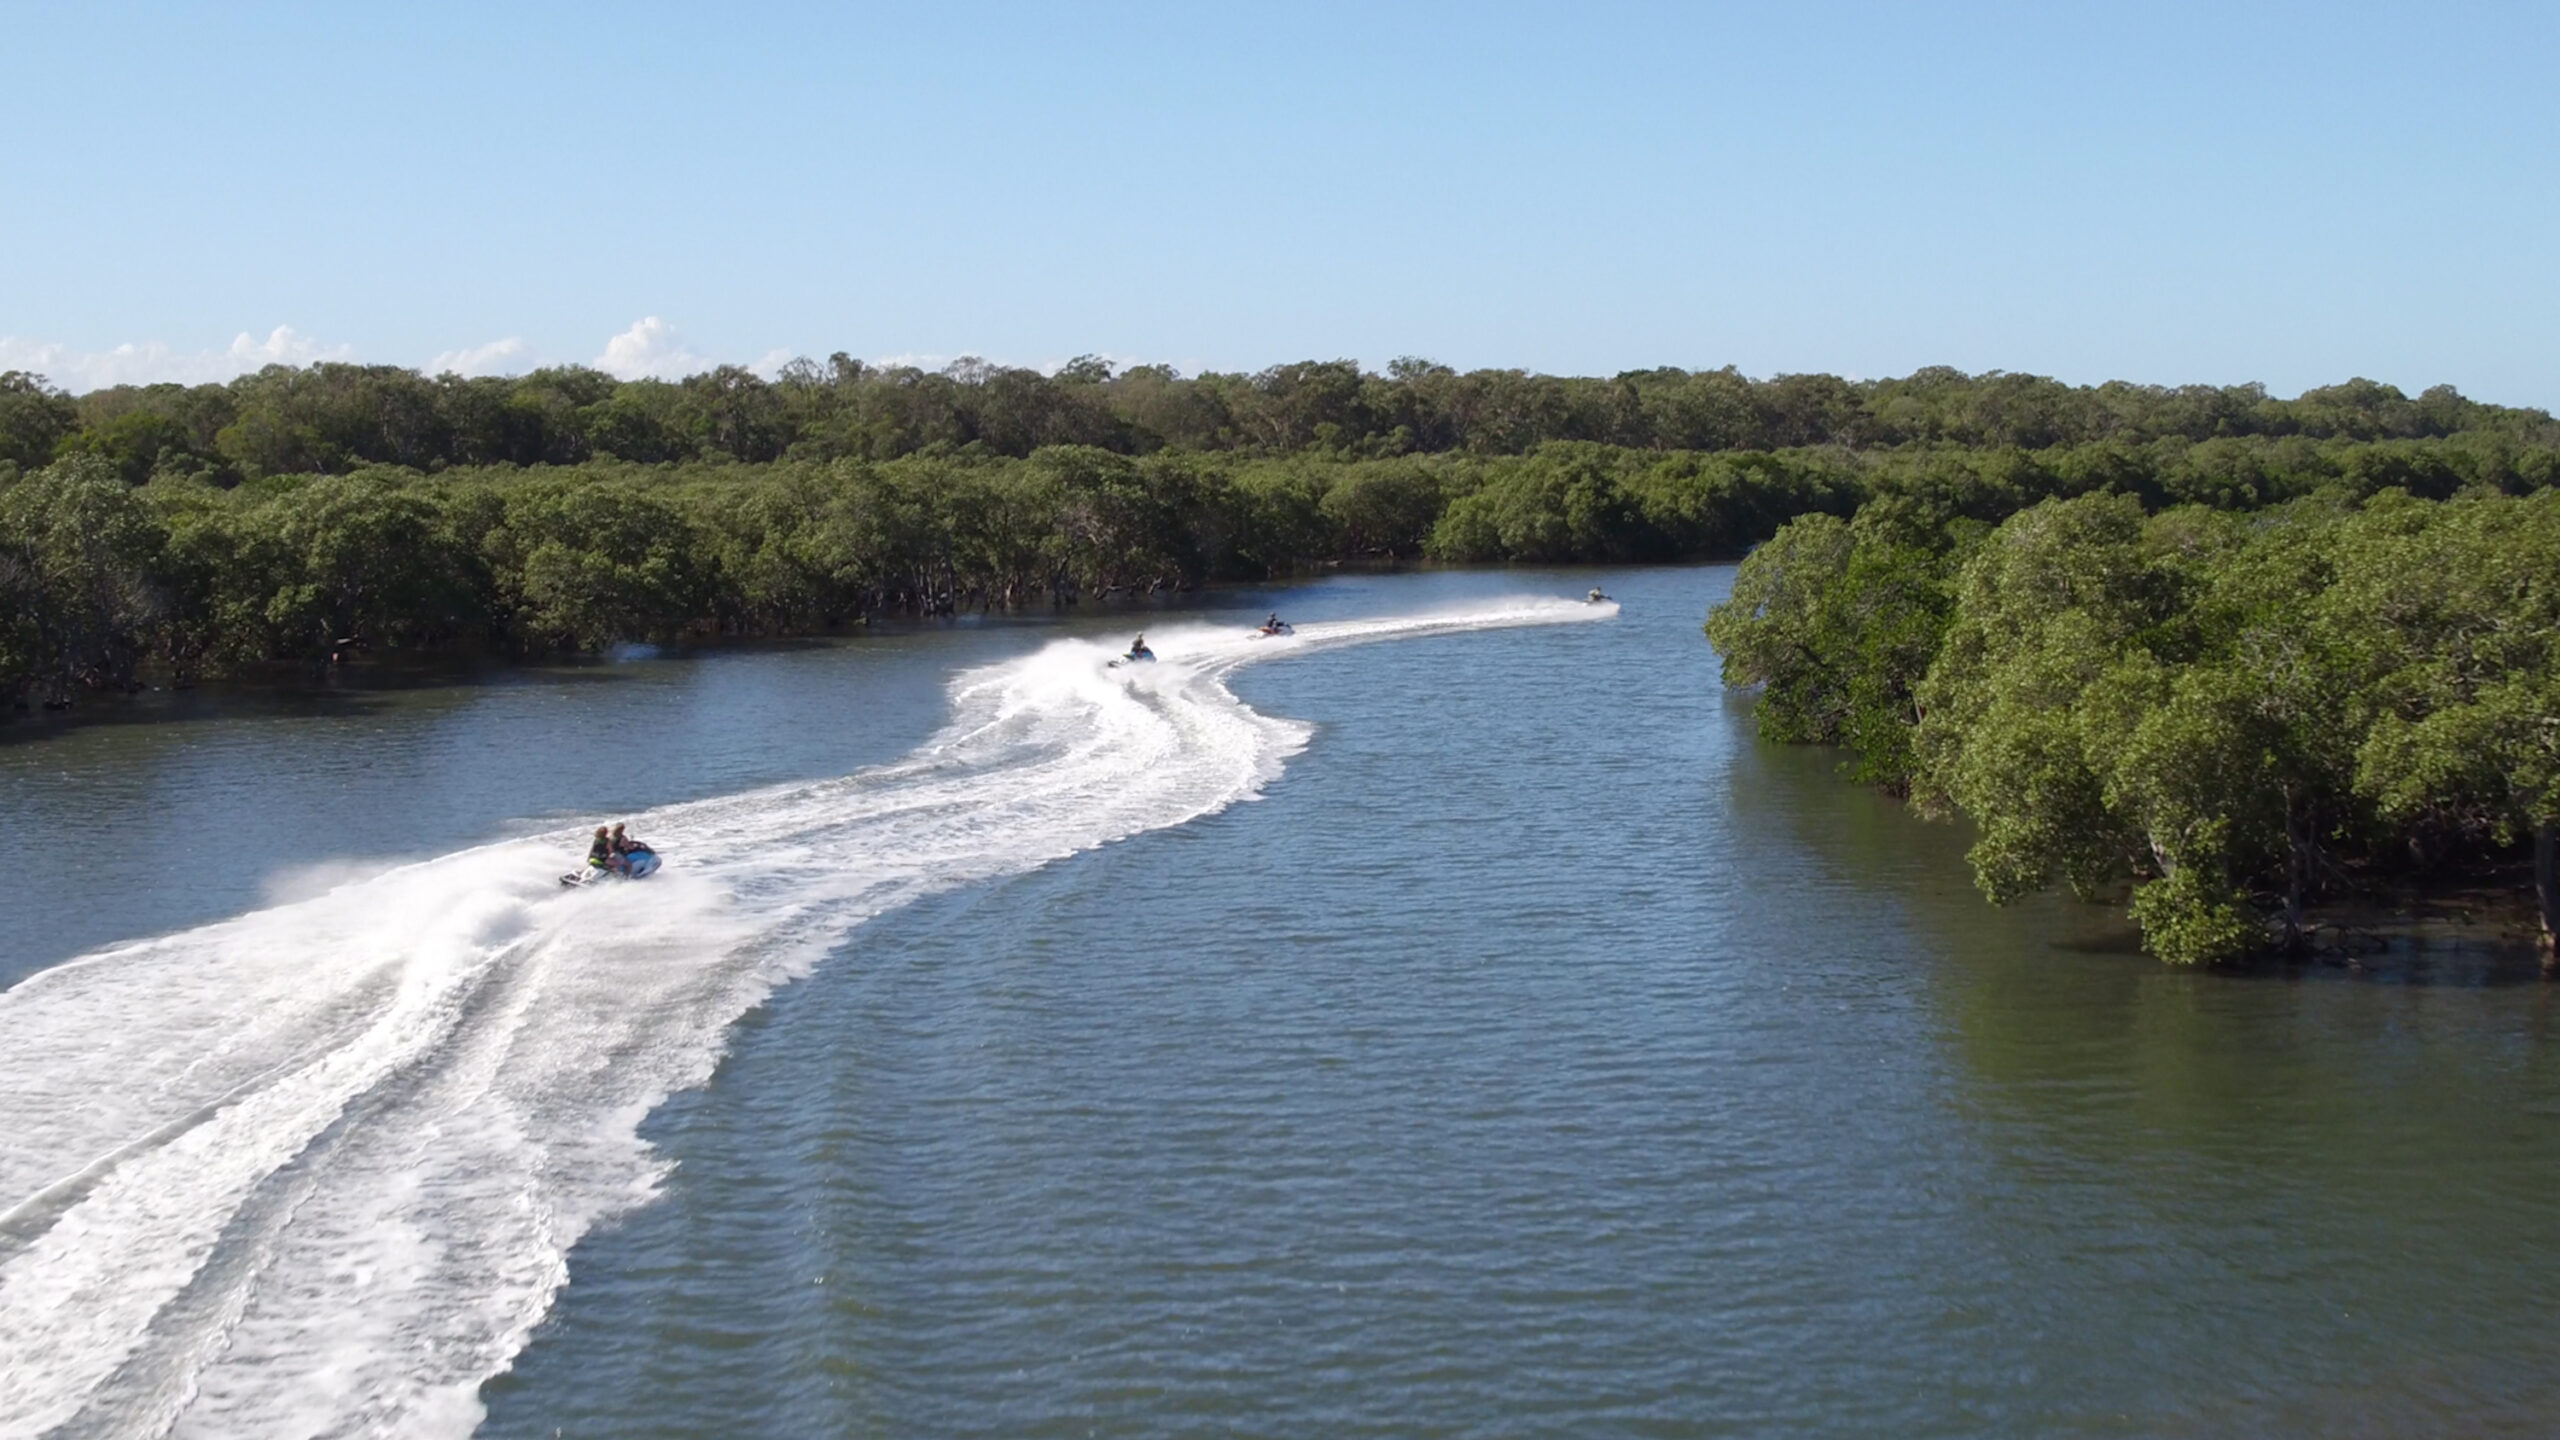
[633, 858]
[601, 855]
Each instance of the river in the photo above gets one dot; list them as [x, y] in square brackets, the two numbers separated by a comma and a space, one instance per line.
[1447, 1022]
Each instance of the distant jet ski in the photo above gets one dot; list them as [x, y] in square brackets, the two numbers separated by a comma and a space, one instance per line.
[1595, 597]
[1138, 653]
[638, 863]
[1271, 627]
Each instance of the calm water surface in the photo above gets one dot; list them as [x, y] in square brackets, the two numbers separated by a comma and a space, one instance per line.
[1538, 1055]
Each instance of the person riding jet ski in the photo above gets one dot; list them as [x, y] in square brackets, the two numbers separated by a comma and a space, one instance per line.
[1138, 650]
[1274, 625]
[635, 857]
[601, 861]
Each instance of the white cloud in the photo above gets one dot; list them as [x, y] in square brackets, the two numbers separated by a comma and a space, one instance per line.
[494, 358]
[153, 361]
[650, 347]
[282, 347]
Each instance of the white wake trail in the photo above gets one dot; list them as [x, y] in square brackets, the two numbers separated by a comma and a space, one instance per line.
[317, 1170]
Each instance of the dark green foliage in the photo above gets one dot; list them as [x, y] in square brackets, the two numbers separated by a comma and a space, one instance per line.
[1577, 500]
[335, 418]
[2236, 714]
[310, 569]
[1838, 621]
[1384, 507]
[78, 555]
[34, 418]
[137, 443]
[1771, 628]
[2236, 446]
[582, 565]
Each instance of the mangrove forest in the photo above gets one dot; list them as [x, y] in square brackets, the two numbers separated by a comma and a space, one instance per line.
[2229, 652]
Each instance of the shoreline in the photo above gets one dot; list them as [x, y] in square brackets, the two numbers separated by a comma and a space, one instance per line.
[293, 686]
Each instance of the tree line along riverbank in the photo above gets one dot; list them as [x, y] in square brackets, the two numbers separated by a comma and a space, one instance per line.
[2241, 654]
[295, 515]
[334, 418]
[2241, 715]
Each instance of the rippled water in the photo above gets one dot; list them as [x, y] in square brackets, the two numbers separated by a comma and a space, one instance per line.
[1538, 1055]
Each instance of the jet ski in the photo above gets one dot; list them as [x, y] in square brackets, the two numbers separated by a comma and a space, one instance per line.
[638, 863]
[1596, 598]
[1138, 654]
[1270, 628]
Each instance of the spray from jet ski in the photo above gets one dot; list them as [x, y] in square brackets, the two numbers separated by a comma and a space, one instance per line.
[318, 1169]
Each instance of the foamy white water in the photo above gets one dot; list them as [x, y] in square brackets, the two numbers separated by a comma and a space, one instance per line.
[317, 1170]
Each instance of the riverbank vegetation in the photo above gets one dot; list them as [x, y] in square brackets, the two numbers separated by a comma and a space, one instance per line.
[2240, 713]
[337, 418]
[297, 517]
[2239, 653]
[104, 583]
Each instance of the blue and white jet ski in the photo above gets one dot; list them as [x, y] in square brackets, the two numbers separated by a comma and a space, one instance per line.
[1138, 654]
[638, 863]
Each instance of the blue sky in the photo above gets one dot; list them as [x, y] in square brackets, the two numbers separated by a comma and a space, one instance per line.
[2169, 193]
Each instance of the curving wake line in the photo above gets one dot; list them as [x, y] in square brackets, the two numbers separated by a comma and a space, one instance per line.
[317, 1170]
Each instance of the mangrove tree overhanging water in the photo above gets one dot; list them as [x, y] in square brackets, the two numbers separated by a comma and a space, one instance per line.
[2240, 714]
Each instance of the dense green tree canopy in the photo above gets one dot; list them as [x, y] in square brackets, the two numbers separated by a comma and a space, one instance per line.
[2236, 713]
[2222, 648]
[35, 419]
[341, 417]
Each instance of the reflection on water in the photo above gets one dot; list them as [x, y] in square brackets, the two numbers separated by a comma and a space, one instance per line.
[2290, 1200]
